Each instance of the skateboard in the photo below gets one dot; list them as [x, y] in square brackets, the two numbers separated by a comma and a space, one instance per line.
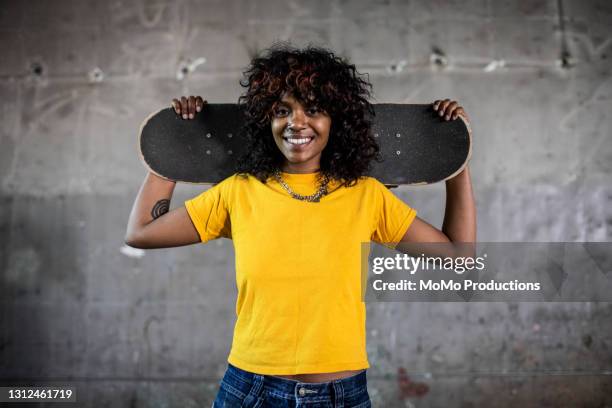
[417, 146]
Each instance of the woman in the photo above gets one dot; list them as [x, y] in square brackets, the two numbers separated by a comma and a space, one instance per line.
[297, 210]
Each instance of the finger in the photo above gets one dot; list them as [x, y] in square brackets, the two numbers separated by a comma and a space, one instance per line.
[177, 106]
[436, 104]
[461, 112]
[450, 108]
[199, 103]
[191, 107]
[443, 106]
[184, 107]
[457, 112]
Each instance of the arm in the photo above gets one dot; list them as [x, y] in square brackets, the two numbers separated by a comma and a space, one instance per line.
[151, 225]
[459, 224]
[459, 217]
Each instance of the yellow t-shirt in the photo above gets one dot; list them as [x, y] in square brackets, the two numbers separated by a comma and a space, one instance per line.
[298, 267]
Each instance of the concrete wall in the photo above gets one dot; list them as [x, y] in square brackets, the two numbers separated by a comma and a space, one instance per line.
[78, 77]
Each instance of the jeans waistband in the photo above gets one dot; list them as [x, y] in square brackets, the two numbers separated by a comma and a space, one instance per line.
[348, 385]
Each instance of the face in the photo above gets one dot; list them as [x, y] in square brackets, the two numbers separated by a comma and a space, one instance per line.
[301, 133]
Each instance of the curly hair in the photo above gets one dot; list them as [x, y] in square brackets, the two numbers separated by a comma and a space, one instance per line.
[310, 75]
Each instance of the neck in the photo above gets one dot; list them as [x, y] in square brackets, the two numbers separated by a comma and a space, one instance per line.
[299, 169]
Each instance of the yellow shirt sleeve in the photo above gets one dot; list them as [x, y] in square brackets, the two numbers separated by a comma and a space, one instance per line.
[394, 216]
[209, 212]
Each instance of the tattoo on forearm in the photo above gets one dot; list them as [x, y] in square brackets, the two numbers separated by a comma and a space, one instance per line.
[160, 208]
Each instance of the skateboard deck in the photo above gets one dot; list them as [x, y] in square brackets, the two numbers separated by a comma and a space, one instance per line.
[417, 146]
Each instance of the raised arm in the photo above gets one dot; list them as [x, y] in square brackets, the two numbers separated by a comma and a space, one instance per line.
[459, 224]
[151, 224]
[459, 217]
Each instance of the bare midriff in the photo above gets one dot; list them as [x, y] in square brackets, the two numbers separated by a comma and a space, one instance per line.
[322, 377]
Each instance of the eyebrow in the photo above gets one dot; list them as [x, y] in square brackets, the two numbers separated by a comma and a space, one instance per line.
[305, 104]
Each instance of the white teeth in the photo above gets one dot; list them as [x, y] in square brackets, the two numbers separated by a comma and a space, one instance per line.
[299, 141]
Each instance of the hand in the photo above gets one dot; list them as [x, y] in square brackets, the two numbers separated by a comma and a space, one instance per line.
[449, 109]
[188, 106]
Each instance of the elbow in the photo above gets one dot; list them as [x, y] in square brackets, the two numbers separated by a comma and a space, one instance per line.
[463, 250]
[132, 240]
[132, 243]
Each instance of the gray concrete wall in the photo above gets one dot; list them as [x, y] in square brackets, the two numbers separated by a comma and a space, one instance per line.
[76, 80]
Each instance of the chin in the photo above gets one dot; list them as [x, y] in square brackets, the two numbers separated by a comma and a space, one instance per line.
[298, 160]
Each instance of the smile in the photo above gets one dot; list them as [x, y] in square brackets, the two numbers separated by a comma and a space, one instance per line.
[298, 140]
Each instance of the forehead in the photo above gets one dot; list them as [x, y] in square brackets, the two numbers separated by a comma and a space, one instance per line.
[290, 99]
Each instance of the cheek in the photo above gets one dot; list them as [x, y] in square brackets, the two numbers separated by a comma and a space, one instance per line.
[323, 128]
[277, 127]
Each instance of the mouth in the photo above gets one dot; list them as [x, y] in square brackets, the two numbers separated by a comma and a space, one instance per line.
[301, 141]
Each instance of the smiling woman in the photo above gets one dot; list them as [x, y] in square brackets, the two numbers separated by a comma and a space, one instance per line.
[298, 209]
[307, 92]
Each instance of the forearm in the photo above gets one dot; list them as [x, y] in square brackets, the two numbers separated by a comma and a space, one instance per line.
[460, 214]
[152, 201]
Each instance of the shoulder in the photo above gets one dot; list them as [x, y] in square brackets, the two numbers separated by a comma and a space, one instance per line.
[370, 183]
[376, 189]
[243, 179]
[235, 179]
[364, 186]
[238, 182]
[378, 185]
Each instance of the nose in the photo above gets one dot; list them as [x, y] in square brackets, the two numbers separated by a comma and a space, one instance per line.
[297, 120]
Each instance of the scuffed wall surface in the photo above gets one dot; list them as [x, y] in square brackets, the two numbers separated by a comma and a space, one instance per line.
[154, 329]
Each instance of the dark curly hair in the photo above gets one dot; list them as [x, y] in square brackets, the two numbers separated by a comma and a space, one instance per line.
[310, 75]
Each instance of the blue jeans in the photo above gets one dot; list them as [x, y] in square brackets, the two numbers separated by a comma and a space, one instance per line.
[244, 389]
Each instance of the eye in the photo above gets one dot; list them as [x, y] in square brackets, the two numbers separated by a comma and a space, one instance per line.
[281, 111]
[313, 110]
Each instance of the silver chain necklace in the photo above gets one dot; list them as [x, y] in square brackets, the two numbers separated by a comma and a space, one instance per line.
[312, 198]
